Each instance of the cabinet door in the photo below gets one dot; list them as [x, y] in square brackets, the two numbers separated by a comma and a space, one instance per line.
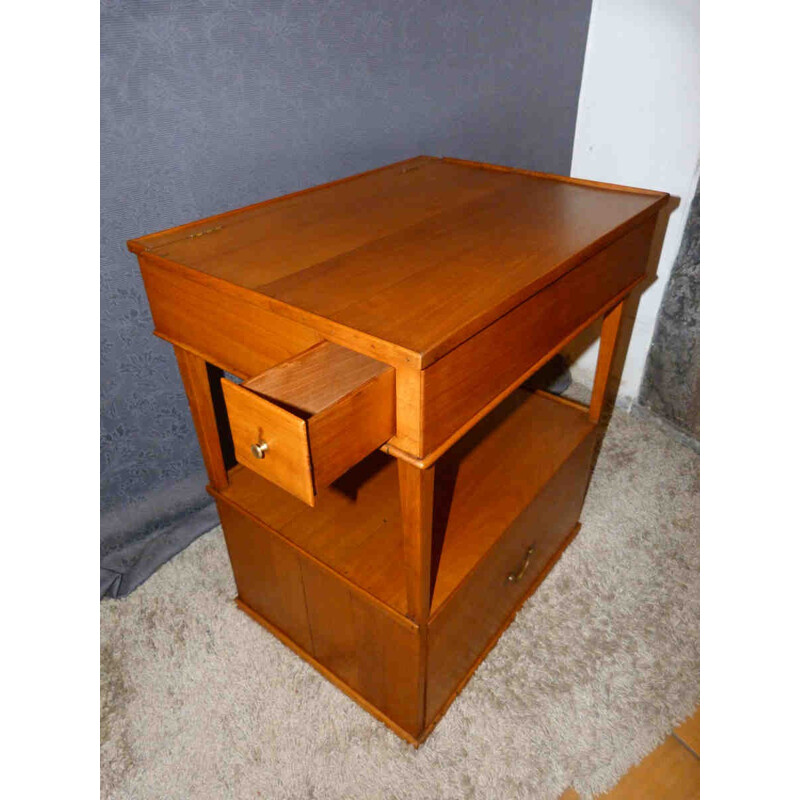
[370, 650]
[267, 573]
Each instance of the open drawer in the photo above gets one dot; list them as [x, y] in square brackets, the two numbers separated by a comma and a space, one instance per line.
[306, 421]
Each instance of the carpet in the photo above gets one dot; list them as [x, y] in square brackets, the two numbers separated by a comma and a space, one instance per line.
[198, 701]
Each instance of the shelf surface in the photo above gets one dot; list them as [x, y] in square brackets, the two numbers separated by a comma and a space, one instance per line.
[482, 484]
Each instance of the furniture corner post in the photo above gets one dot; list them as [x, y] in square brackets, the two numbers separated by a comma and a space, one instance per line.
[195, 372]
[416, 504]
[609, 335]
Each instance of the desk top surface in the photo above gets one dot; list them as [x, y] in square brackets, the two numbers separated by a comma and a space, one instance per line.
[420, 254]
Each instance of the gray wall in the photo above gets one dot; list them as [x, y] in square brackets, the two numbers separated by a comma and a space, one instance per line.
[207, 106]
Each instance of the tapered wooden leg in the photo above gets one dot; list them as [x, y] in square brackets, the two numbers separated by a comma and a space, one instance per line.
[608, 342]
[416, 503]
[197, 383]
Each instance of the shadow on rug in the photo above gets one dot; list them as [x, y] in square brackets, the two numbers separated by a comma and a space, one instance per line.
[198, 701]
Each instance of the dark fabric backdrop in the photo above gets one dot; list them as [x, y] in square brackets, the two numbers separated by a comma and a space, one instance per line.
[671, 381]
[212, 104]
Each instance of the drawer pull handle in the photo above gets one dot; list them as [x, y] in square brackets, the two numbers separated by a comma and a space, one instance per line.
[258, 450]
[514, 577]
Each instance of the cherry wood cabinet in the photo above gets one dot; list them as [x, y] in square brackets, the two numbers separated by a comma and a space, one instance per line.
[389, 495]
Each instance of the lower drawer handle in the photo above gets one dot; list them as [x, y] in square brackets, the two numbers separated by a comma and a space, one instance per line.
[258, 450]
[514, 577]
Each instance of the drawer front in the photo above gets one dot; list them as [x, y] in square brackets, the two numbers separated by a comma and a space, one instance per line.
[461, 383]
[304, 422]
[465, 624]
[256, 422]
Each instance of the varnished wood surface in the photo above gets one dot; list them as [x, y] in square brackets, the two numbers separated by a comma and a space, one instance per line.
[471, 614]
[416, 506]
[353, 427]
[356, 526]
[371, 652]
[605, 356]
[267, 574]
[227, 331]
[319, 413]
[315, 379]
[197, 377]
[419, 256]
[432, 721]
[689, 732]
[439, 286]
[457, 386]
[254, 420]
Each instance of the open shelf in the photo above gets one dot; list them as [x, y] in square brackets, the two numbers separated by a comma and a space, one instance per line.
[482, 484]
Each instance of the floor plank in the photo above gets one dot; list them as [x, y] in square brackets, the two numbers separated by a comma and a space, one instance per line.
[689, 733]
[670, 772]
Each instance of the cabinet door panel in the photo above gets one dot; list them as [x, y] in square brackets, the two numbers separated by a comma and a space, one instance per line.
[267, 573]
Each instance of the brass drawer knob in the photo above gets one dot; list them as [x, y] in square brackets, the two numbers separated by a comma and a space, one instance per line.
[258, 450]
[514, 577]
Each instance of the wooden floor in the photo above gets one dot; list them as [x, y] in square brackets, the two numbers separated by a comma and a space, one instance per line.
[670, 772]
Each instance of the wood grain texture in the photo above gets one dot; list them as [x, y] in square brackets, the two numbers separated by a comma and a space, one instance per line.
[408, 262]
[399, 309]
[416, 508]
[666, 773]
[253, 420]
[464, 624]
[408, 387]
[315, 379]
[670, 772]
[498, 634]
[689, 732]
[319, 413]
[350, 429]
[197, 385]
[267, 574]
[605, 357]
[371, 652]
[145, 243]
[229, 332]
[456, 387]
[356, 527]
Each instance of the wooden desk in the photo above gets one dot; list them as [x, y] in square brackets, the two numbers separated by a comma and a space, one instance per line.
[389, 496]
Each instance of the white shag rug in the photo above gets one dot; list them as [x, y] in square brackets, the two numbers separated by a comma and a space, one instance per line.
[198, 701]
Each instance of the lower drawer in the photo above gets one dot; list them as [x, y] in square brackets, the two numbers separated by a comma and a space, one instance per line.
[464, 626]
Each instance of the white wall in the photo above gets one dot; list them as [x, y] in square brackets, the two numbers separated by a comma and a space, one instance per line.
[639, 124]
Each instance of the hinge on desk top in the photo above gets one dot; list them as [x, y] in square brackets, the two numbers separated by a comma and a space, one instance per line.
[190, 236]
[203, 233]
